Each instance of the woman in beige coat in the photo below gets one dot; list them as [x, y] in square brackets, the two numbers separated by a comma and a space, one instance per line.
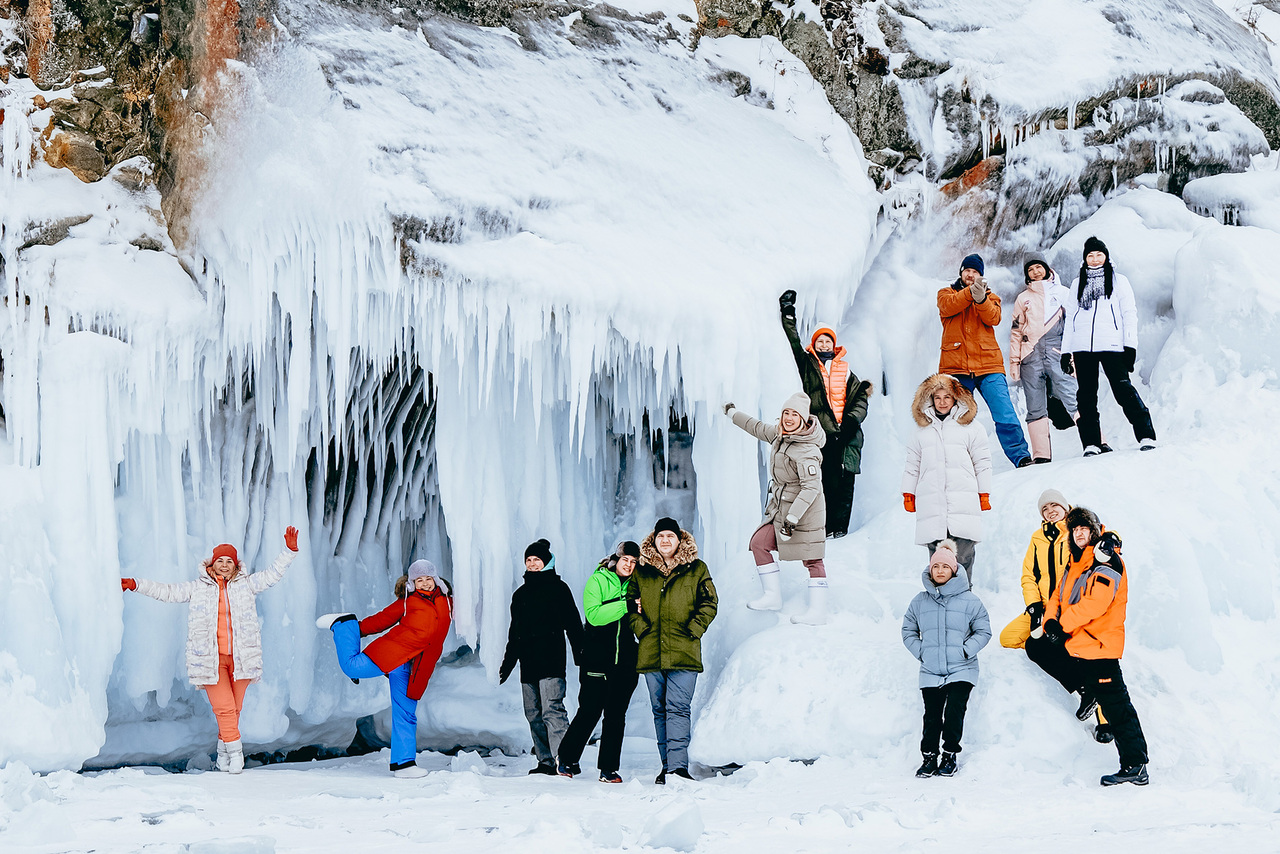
[795, 519]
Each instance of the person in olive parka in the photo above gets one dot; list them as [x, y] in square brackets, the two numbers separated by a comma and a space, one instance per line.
[543, 614]
[676, 602]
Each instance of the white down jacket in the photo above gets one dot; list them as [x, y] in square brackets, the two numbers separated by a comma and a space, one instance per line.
[948, 464]
[202, 618]
[1107, 326]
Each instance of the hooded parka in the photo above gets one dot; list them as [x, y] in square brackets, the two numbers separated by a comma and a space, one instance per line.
[1091, 604]
[675, 608]
[837, 398]
[944, 628]
[418, 625]
[608, 645]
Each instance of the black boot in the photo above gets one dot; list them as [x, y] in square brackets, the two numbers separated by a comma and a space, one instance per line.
[929, 767]
[1135, 774]
[1088, 705]
[947, 766]
[661, 779]
[1103, 735]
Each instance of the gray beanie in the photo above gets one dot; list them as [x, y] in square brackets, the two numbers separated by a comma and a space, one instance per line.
[800, 403]
[1052, 496]
[421, 569]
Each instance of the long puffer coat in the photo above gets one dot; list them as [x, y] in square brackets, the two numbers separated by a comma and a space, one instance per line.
[944, 628]
[948, 464]
[795, 485]
[202, 618]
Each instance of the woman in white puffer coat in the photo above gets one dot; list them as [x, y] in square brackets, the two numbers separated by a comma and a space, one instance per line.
[947, 480]
[224, 634]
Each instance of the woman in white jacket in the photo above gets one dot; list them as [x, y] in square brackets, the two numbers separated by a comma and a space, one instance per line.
[224, 634]
[947, 481]
[1102, 332]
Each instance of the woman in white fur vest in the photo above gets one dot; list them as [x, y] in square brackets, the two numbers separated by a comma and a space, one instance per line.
[947, 481]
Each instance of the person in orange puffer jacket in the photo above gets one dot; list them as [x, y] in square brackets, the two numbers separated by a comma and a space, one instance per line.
[1085, 622]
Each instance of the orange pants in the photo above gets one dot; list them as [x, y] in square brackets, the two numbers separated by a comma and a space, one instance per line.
[227, 699]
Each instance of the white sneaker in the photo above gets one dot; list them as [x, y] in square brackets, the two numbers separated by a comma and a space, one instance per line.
[771, 581]
[235, 757]
[326, 621]
[224, 761]
[1092, 451]
[1146, 445]
[410, 772]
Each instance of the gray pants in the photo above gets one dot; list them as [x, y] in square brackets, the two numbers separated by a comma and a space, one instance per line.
[1041, 375]
[670, 697]
[965, 554]
[548, 721]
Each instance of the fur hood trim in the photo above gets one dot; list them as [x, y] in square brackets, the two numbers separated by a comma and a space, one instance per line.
[922, 406]
[686, 552]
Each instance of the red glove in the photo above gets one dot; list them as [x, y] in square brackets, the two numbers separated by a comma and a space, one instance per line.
[985, 500]
[909, 502]
[128, 584]
[291, 538]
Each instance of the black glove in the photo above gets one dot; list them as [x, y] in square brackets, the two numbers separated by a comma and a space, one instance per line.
[1053, 631]
[504, 673]
[1066, 364]
[1036, 612]
[787, 303]
[1108, 546]
[1130, 359]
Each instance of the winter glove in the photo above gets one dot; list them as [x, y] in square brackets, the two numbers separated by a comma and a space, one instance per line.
[978, 290]
[291, 538]
[1066, 364]
[728, 408]
[984, 500]
[1108, 546]
[787, 303]
[1036, 612]
[504, 673]
[788, 527]
[1130, 359]
[1053, 631]
[909, 502]
[128, 584]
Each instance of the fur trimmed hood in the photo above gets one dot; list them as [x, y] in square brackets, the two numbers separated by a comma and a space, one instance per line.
[922, 405]
[686, 551]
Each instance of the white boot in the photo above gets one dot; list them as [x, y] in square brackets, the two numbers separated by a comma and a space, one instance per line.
[224, 762]
[326, 621]
[410, 772]
[235, 757]
[771, 581]
[817, 613]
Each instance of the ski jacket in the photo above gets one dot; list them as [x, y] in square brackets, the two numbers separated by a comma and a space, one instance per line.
[202, 617]
[415, 628]
[608, 645]
[1046, 561]
[1107, 326]
[675, 609]
[1091, 603]
[969, 345]
[543, 615]
[944, 628]
[948, 464]
[843, 428]
[795, 485]
[1039, 315]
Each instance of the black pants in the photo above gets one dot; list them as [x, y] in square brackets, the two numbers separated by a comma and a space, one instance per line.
[1102, 678]
[944, 716]
[608, 695]
[1054, 659]
[1126, 395]
[837, 488]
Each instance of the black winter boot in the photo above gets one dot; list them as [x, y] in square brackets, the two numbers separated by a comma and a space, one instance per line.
[947, 766]
[1088, 704]
[661, 779]
[1103, 735]
[929, 767]
[1135, 774]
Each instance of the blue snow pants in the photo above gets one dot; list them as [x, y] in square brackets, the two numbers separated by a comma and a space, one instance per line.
[994, 389]
[404, 712]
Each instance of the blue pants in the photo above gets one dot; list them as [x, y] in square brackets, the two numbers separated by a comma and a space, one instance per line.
[670, 696]
[404, 712]
[995, 391]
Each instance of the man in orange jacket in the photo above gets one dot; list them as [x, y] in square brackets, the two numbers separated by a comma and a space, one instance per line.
[970, 312]
[1086, 619]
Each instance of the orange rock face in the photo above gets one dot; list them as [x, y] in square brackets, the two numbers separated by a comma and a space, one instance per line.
[985, 171]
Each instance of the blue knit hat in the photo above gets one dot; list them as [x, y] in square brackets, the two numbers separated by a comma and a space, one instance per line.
[973, 262]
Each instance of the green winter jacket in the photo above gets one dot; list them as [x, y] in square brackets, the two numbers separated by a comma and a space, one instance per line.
[675, 609]
[608, 644]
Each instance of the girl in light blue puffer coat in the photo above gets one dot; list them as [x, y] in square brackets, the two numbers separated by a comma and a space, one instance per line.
[944, 628]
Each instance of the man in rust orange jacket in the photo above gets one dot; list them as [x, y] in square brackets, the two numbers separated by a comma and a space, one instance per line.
[1086, 619]
[970, 312]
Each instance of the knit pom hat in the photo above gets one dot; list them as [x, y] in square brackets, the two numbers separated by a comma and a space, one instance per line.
[666, 523]
[1093, 244]
[541, 549]
[226, 550]
[973, 262]
[1052, 496]
[945, 552]
[800, 403]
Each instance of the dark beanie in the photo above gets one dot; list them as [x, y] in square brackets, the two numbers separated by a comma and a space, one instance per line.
[1093, 244]
[627, 548]
[973, 262]
[1034, 259]
[541, 550]
[666, 523]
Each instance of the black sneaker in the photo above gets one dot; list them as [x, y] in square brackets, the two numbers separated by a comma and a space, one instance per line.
[1024, 462]
[1088, 705]
[661, 779]
[682, 773]
[569, 769]
[947, 765]
[610, 777]
[547, 768]
[1103, 735]
[1135, 774]
[929, 767]
[1041, 460]
[1105, 448]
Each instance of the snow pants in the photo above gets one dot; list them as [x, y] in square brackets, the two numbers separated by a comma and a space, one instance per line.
[548, 721]
[994, 389]
[1041, 376]
[944, 710]
[1054, 659]
[227, 699]
[764, 542]
[966, 555]
[1102, 678]
[607, 695]
[837, 487]
[1112, 364]
[404, 711]
[671, 697]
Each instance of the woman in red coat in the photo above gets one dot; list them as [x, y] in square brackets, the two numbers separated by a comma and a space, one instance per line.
[415, 625]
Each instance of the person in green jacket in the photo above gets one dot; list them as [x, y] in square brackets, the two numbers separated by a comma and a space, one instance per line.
[675, 604]
[608, 674]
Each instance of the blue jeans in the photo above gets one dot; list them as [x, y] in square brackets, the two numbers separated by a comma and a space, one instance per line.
[994, 389]
[670, 696]
[404, 712]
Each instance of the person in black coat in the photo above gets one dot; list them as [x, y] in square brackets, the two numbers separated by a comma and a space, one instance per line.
[543, 614]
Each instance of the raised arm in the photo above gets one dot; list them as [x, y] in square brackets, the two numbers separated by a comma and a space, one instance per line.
[180, 592]
[951, 302]
[762, 431]
[271, 576]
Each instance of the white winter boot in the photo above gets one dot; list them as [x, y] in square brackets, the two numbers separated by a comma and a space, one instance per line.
[326, 621]
[817, 613]
[771, 581]
[410, 772]
[235, 757]
[1041, 444]
[224, 761]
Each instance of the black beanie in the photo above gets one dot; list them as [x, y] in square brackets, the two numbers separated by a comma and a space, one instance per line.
[627, 548]
[541, 550]
[1035, 259]
[1093, 244]
[666, 523]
